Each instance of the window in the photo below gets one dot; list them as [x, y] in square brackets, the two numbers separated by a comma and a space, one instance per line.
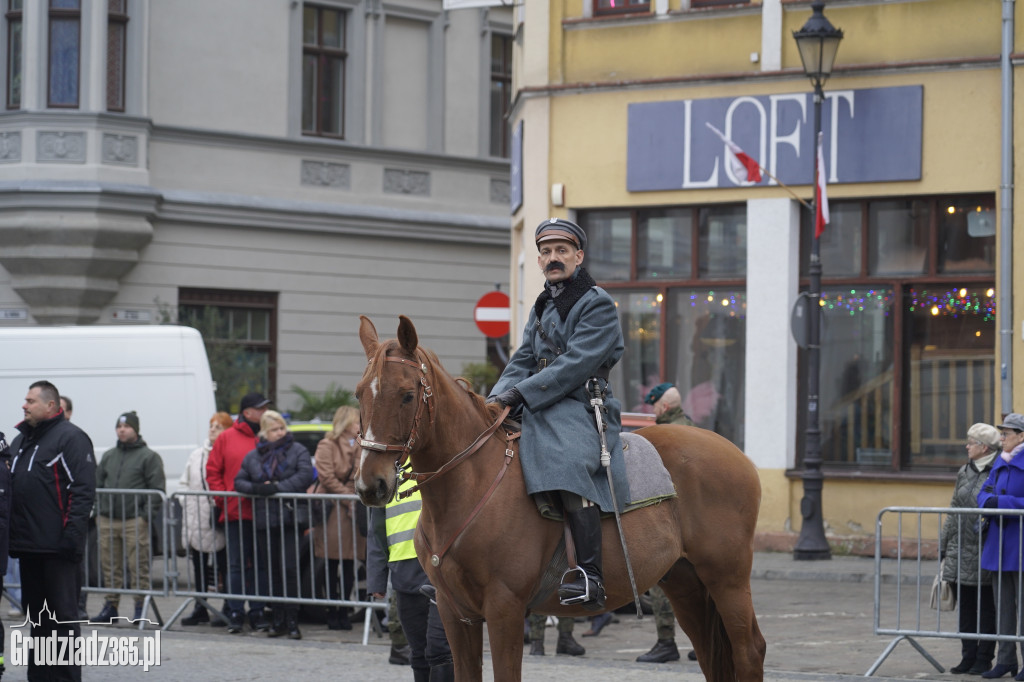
[678, 278]
[908, 330]
[621, 6]
[501, 94]
[65, 45]
[323, 71]
[239, 330]
[14, 52]
[117, 33]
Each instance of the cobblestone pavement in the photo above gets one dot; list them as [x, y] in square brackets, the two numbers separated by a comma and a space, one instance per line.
[816, 616]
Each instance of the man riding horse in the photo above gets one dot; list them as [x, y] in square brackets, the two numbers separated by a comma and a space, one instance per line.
[571, 341]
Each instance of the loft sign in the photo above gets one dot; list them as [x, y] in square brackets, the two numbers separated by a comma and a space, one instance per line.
[870, 135]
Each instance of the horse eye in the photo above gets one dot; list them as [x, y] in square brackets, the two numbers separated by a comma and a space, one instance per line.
[407, 399]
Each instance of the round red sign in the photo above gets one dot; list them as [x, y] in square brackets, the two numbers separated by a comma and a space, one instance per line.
[492, 314]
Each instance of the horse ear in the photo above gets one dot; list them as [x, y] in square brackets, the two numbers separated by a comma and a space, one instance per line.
[368, 336]
[407, 338]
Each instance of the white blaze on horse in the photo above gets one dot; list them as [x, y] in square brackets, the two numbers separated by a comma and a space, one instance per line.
[489, 551]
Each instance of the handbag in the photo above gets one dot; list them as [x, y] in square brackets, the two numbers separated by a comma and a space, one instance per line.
[943, 596]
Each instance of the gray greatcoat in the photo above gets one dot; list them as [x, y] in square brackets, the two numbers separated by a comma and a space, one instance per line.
[560, 447]
[959, 540]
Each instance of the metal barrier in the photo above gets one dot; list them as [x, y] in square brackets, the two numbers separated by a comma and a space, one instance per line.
[902, 602]
[281, 558]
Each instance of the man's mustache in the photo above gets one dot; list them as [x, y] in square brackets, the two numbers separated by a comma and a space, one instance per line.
[554, 265]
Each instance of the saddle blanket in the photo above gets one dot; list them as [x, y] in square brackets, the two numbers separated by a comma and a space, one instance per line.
[649, 480]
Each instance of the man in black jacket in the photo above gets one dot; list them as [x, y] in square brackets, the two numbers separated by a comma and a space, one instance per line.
[53, 478]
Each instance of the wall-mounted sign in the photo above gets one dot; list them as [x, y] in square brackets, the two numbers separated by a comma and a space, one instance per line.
[515, 190]
[13, 314]
[871, 135]
[133, 315]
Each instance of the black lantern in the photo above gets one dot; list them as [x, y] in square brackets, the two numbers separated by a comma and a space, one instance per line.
[818, 42]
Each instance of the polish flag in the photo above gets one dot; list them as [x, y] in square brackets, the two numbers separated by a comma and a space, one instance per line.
[743, 167]
[820, 195]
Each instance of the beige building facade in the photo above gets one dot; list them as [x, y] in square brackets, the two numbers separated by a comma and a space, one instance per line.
[612, 102]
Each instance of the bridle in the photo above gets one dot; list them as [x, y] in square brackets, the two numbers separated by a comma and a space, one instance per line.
[425, 395]
[401, 464]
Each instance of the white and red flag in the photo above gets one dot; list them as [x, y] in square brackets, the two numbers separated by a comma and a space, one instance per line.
[745, 168]
[820, 195]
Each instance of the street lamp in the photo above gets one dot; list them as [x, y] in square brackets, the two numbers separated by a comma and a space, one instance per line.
[818, 42]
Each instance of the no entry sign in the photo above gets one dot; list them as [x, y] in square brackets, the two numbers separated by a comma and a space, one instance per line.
[491, 314]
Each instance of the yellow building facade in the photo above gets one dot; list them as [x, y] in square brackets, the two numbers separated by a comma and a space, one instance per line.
[610, 119]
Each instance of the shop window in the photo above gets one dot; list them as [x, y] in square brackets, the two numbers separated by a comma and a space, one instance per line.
[656, 263]
[65, 24]
[239, 329]
[501, 94]
[117, 41]
[908, 336]
[602, 7]
[323, 71]
[665, 244]
[15, 46]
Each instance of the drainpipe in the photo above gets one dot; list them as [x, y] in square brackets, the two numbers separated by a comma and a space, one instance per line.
[1005, 312]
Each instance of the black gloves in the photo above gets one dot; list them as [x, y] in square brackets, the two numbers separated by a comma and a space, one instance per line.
[511, 398]
[68, 548]
[992, 502]
[265, 489]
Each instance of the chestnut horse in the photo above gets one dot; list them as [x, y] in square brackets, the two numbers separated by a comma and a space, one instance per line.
[486, 548]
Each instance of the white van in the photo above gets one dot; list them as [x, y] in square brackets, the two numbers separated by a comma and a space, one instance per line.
[160, 371]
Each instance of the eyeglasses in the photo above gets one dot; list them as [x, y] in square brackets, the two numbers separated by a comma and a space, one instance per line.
[1006, 433]
[971, 441]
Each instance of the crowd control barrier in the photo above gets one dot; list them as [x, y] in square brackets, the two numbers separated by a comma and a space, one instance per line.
[142, 543]
[285, 541]
[904, 576]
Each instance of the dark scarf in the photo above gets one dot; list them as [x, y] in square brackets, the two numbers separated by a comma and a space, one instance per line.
[572, 290]
[273, 456]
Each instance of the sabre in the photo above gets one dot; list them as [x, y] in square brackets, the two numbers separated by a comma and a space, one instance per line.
[597, 402]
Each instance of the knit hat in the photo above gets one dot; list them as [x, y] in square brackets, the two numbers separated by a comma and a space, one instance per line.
[656, 393]
[560, 228]
[131, 419]
[986, 434]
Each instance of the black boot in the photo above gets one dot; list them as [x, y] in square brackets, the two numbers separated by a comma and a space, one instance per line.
[337, 619]
[537, 647]
[291, 616]
[277, 625]
[569, 646]
[963, 666]
[663, 651]
[199, 615]
[442, 673]
[587, 589]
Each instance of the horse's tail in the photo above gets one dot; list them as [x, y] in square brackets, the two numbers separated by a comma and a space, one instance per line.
[720, 649]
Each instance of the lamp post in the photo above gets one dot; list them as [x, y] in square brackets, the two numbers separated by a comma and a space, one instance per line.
[818, 42]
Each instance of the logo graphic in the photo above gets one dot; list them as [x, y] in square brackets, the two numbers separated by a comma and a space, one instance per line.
[62, 647]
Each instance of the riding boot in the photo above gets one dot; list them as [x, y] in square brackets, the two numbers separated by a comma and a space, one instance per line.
[442, 673]
[585, 524]
[277, 626]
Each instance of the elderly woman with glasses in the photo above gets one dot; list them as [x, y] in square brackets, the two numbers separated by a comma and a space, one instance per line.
[960, 545]
[1001, 552]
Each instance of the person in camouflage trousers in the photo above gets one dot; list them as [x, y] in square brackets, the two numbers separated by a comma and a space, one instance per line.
[668, 410]
[566, 643]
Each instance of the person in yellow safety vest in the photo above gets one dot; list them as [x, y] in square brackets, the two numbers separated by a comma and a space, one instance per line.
[389, 549]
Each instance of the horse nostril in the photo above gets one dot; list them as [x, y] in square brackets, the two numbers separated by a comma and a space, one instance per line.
[382, 489]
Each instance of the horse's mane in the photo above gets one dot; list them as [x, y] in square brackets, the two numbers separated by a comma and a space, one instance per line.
[488, 411]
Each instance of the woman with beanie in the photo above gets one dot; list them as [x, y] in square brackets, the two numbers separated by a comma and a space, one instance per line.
[959, 544]
[278, 464]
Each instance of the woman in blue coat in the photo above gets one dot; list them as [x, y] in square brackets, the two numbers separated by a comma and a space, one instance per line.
[1001, 552]
[277, 465]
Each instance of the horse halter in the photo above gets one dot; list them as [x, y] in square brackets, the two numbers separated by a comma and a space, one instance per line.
[426, 393]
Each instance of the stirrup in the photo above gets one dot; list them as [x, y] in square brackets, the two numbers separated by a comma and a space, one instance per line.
[581, 599]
